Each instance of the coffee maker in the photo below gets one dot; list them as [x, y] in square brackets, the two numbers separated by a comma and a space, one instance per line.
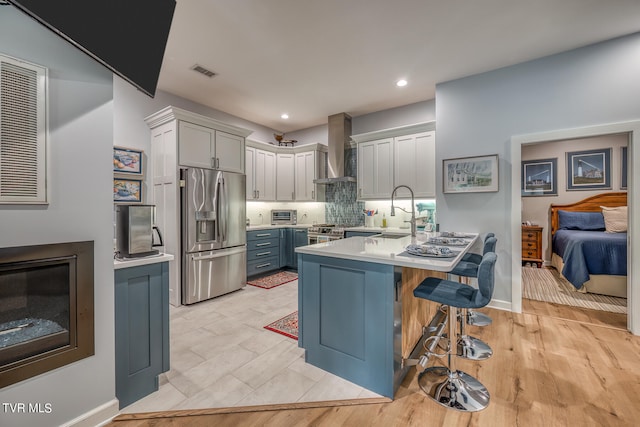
[135, 231]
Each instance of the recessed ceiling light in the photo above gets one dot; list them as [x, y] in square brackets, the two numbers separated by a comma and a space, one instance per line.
[401, 83]
[284, 116]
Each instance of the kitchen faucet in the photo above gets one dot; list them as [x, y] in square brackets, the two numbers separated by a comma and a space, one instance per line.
[413, 209]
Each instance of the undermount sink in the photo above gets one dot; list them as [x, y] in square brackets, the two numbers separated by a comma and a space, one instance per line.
[390, 236]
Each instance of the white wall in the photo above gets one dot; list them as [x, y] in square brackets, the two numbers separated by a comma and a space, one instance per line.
[80, 148]
[478, 115]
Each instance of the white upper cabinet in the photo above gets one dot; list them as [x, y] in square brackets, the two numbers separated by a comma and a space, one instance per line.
[204, 147]
[309, 166]
[285, 177]
[261, 174]
[397, 156]
[197, 146]
[414, 164]
[375, 169]
[250, 167]
[229, 152]
[265, 174]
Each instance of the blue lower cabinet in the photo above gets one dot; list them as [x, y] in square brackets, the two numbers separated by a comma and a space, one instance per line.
[346, 319]
[141, 330]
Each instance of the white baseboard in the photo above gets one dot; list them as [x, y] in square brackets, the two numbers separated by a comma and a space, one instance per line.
[500, 305]
[97, 416]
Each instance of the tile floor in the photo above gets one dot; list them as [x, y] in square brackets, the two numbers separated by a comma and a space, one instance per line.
[221, 356]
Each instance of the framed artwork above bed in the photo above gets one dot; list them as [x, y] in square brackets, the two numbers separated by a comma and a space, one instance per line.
[540, 177]
[589, 170]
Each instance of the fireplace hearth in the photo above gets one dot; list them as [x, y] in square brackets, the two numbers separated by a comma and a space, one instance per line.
[46, 308]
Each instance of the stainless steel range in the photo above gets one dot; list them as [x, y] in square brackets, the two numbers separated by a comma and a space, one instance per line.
[321, 233]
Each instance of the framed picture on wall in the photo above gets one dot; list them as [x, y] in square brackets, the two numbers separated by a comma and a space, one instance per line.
[589, 170]
[623, 161]
[470, 174]
[127, 160]
[540, 177]
[127, 190]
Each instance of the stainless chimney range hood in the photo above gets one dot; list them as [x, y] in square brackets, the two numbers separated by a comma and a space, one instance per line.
[339, 134]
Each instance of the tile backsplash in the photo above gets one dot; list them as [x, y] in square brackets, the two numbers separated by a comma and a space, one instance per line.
[341, 207]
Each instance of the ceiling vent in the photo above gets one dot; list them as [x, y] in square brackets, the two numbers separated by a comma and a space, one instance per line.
[200, 69]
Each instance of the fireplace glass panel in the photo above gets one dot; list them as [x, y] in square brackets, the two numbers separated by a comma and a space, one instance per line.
[46, 308]
[36, 307]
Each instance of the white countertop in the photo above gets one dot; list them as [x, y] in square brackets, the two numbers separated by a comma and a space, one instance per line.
[383, 250]
[135, 262]
[269, 226]
[394, 230]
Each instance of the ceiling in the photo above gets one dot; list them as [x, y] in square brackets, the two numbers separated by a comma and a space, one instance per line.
[312, 59]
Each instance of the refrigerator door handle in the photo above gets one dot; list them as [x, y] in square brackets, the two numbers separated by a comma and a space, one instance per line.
[222, 215]
[219, 254]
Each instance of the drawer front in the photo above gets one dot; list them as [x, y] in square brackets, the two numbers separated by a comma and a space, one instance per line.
[263, 253]
[263, 265]
[528, 236]
[262, 234]
[530, 246]
[263, 243]
[530, 253]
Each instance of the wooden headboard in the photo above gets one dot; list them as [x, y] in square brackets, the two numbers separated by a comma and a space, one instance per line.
[590, 204]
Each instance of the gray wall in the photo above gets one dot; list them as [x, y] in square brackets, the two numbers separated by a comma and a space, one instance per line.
[478, 115]
[80, 171]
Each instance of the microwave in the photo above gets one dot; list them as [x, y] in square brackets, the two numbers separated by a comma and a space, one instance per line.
[284, 216]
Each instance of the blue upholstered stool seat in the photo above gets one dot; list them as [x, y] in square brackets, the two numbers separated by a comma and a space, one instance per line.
[468, 265]
[449, 292]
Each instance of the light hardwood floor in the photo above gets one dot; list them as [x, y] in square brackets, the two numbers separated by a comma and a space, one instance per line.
[545, 371]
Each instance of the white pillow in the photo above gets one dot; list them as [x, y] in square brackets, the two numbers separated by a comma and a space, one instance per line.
[615, 219]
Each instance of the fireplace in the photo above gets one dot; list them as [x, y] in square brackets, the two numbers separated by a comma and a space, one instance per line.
[46, 308]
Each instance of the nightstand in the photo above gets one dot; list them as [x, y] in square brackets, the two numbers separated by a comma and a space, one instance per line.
[532, 244]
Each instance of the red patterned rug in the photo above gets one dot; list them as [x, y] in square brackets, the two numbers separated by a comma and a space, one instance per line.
[287, 326]
[273, 280]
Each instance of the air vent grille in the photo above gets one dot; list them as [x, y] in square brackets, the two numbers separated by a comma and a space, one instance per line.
[200, 69]
[21, 134]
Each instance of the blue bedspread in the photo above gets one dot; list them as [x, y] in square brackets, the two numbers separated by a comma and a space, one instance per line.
[590, 252]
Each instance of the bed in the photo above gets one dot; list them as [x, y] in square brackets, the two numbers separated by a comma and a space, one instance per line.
[583, 247]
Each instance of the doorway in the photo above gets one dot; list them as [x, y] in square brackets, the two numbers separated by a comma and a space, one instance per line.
[632, 129]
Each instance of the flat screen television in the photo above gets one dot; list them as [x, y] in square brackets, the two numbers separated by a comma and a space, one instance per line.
[126, 36]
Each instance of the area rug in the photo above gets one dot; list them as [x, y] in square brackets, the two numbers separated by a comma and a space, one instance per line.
[545, 284]
[273, 280]
[287, 326]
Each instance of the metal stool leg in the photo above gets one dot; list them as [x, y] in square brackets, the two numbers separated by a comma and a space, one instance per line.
[469, 347]
[450, 387]
[475, 318]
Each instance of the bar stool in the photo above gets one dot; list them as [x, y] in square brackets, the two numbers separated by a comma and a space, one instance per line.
[449, 386]
[468, 267]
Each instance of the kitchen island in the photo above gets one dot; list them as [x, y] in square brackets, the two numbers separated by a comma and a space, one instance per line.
[358, 318]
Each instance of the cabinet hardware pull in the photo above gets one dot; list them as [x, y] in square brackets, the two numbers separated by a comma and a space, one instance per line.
[313, 194]
[263, 253]
[263, 234]
[263, 244]
[529, 235]
[300, 231]
[263, 265]
[258, 191]
[217, 162]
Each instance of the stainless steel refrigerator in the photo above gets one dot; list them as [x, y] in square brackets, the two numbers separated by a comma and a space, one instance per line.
[214, 250]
